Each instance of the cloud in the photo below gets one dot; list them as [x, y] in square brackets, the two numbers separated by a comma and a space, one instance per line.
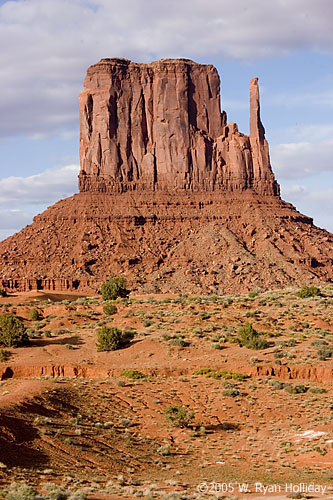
[13, 218]
[46, 187]
[315, 203]
[318, 99]
[302, 159]
[33, 195]
[50, 43]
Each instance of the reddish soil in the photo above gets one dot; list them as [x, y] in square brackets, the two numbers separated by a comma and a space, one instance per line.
[70, 415]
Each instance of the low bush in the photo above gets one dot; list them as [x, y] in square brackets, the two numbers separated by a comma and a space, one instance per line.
[219, 374]
[250, 338]
[276, 384]
[23, 491]
[296, 389]
[319, 343]
[179, 342]
[111, 338]
[231, 392]
[109, 309]
[19, 491]
[325, 353]
[4, 355]
[3, 293]
[317, 390]
[114, 288]
[12, 331]
[33, 314]
[132, 374]
[54, 492]
[179, 416]
[309, 291]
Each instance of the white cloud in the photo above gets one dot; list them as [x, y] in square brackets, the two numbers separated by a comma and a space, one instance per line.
[46, 187]
[289, 100]
[313, 133]
[302, 159]
[13, 218]
[33, 195]
[50, 43]
[314, 203]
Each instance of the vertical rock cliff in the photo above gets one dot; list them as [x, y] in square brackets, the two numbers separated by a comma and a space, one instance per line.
[159, 127]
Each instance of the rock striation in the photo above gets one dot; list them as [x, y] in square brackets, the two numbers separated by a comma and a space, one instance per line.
[159, 127]
[172, 196]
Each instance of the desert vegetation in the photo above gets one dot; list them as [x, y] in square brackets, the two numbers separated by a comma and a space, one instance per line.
[114, 288]
[111, 338]
[12, 331]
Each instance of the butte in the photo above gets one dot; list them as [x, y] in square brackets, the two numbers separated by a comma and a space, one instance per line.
[172, 196]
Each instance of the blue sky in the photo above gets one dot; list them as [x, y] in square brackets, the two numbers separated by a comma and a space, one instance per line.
[47, 46]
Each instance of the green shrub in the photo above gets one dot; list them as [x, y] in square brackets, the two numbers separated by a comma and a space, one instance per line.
[33, 314]
[279, 354]
[179, 342]
[296, 389]
[109, 309]
[78, 495]
[179, 416]
[308, 291]
[3, 293]
[12, 331]
[114, 288]
[319, 343]
[231, 392]
[216, 345]
[250, 338]
[276, 384]
[325, 353]
[317, 390]
[19, 491]
[111, 338]
[54, 492]
[4, 355]
[132, 374]
[219, 374]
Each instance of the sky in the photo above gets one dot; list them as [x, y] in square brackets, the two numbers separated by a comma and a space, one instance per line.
[47, 46]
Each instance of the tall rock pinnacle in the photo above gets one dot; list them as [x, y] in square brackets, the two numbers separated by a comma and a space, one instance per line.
[259, 145]
[159, 127]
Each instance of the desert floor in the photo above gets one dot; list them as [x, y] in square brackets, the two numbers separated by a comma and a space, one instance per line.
[95, 421]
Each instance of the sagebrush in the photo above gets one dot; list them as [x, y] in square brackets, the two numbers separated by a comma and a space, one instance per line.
[111, 338]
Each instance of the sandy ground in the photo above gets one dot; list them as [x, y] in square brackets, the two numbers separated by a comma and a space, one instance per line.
[70, 415]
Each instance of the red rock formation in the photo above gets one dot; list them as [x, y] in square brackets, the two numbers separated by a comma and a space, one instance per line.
[159, 127]
[171, 196]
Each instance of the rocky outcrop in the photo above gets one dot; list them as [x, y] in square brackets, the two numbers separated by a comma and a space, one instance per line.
[171, 196]
[159, 127]
[189, 242]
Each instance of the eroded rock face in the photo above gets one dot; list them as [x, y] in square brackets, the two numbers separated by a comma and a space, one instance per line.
[159, 127]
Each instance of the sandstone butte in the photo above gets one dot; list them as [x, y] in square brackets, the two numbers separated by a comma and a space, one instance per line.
[172, 196]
